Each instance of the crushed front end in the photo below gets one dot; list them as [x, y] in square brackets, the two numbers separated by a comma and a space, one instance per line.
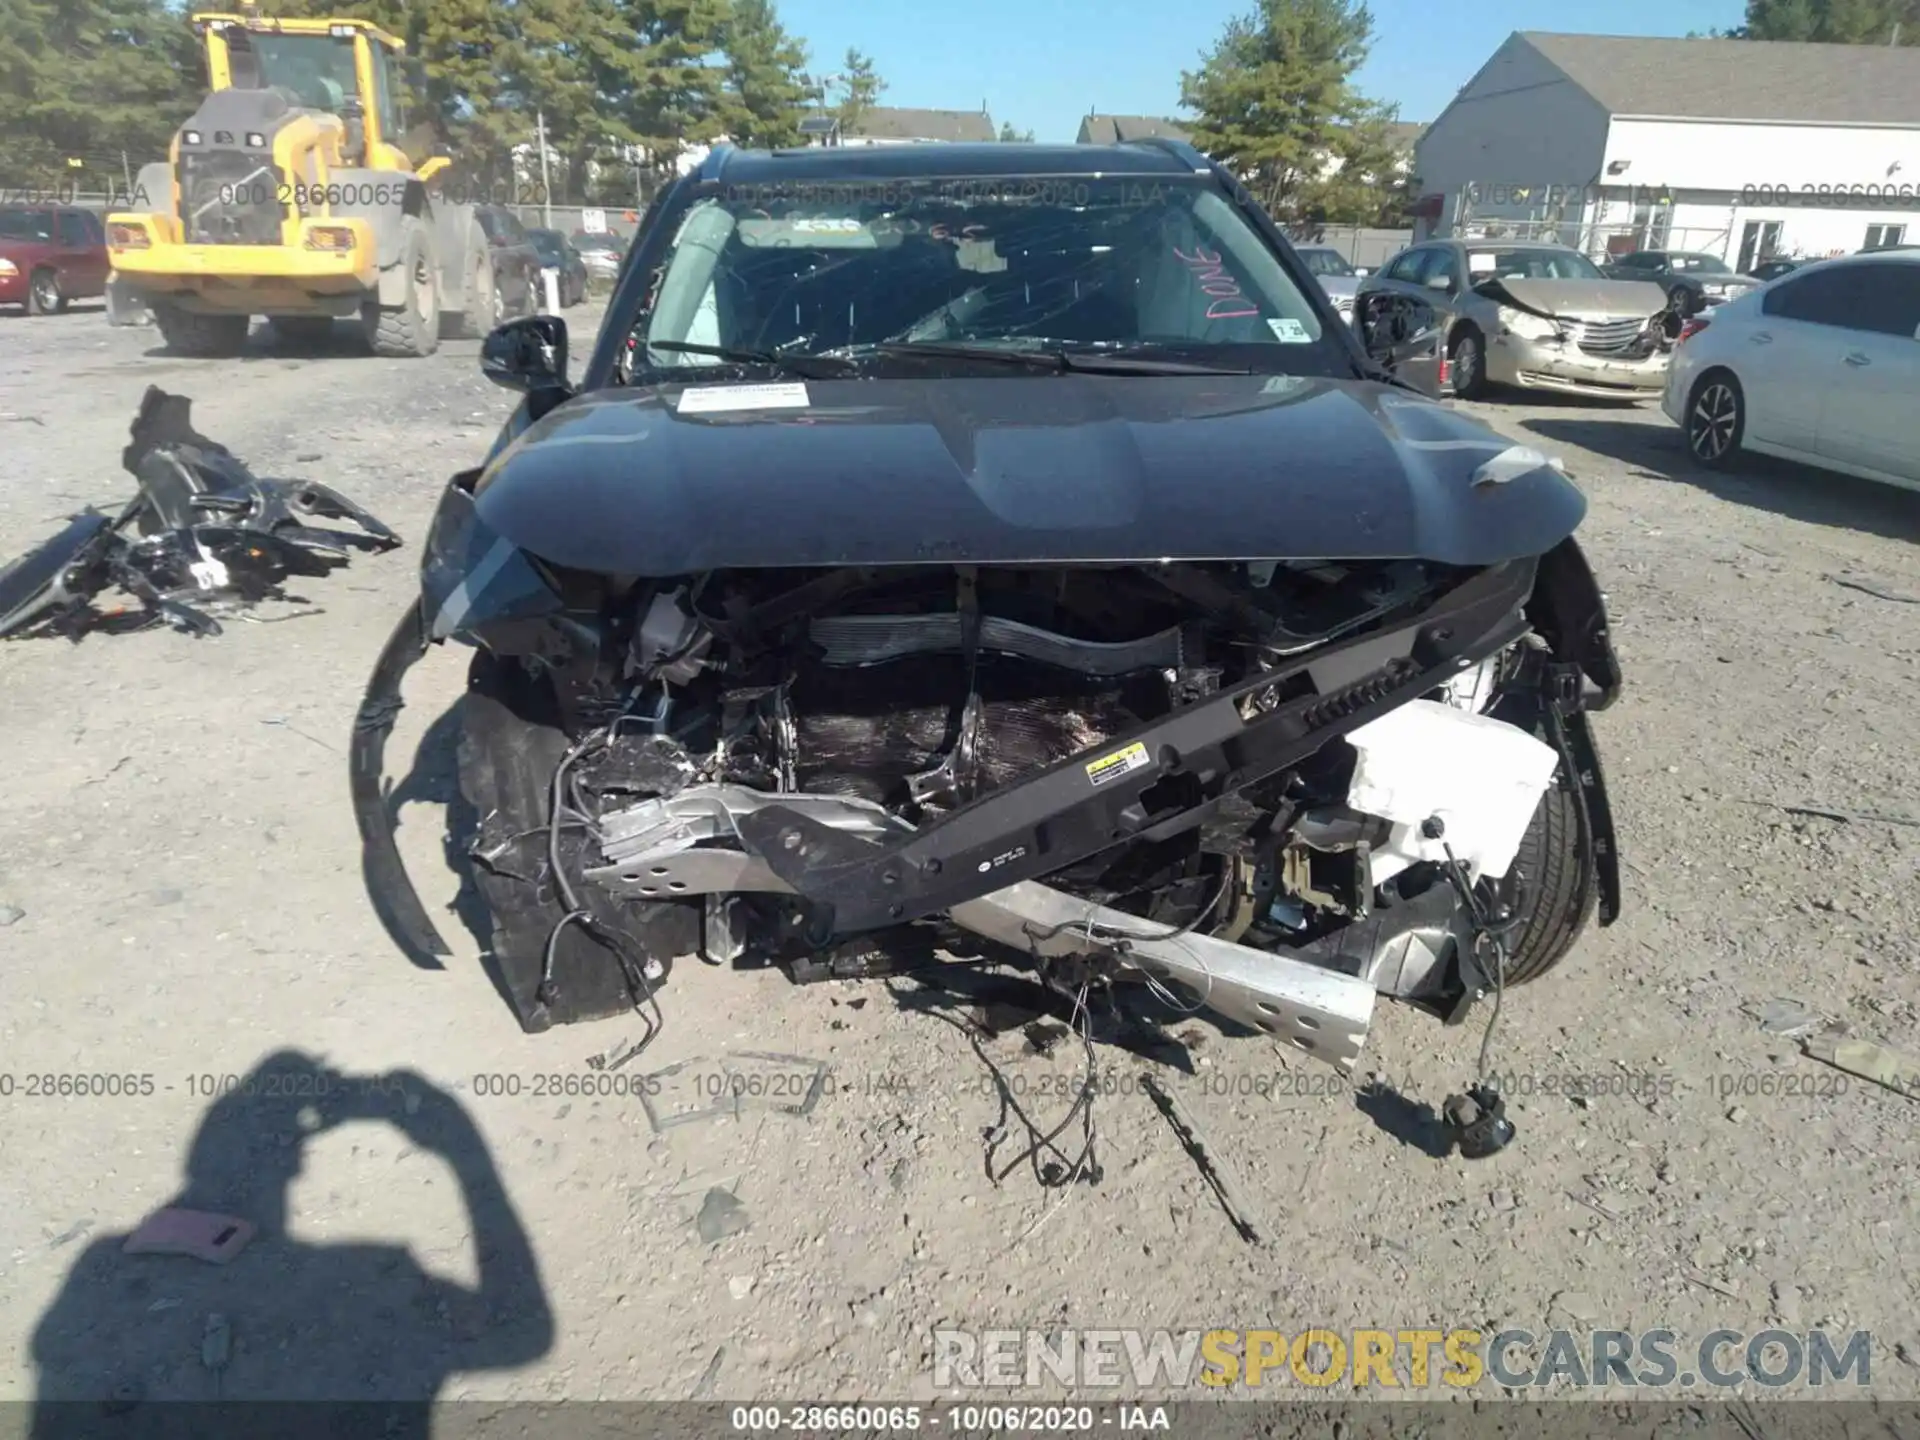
[1275, 789]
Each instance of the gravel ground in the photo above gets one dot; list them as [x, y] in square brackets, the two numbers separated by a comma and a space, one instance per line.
[177, 835]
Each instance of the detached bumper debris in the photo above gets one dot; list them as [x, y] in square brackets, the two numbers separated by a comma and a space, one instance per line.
[204, 536]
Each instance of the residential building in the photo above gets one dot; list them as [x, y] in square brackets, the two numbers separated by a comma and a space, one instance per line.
[1097, 129]
[1738, 148]
[891, 125]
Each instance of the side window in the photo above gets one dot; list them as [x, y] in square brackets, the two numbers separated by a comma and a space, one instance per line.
[1889, 302]
[1437, 264]
[1846, 297]
[96, 232]
[516, 233]
[73, 231]
[393, 116]
[1404, 265]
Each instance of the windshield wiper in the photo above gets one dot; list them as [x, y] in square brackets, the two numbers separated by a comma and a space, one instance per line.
[1058, 359]
[812, 367]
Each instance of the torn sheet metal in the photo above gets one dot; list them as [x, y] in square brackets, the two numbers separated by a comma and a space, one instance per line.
[205, 535]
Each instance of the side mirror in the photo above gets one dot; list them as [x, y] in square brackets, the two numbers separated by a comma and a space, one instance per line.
[1420, 361]
[1405, 337]
[528, 354]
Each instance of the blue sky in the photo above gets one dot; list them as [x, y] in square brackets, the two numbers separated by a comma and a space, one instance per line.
[1042, 64]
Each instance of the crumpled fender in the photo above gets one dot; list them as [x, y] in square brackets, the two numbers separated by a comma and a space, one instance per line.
[395, 900]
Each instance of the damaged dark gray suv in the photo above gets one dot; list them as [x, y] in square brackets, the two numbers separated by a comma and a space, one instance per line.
[1005, 551]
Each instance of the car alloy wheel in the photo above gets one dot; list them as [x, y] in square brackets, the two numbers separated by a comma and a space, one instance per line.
[1713, 421]
[46, 292]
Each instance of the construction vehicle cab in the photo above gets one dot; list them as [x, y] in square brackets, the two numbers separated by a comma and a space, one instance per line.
[296, 192]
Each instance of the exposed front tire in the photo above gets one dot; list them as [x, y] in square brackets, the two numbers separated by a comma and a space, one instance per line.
[1716, 419]
[43, 293]
[1467, 361]
[410, 329]
[1554, 885]
[208, 337]
[510, 745]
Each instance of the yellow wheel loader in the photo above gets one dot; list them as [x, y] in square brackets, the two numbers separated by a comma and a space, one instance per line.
[289, 195]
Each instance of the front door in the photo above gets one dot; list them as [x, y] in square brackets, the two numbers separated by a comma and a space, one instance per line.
[1868, 419]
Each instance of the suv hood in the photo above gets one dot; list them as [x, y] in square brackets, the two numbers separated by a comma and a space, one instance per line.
[1017, 470]
[1616, 299]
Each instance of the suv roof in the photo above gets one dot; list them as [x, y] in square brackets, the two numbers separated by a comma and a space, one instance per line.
[1158, 156]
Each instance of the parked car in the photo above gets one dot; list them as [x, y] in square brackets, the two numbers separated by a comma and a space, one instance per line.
[1821, 366]
[51, 255]
[1774, 267]
[1336, 276]
[601, 253]
[557, 254]
[1529, 314]
[1066, 482]
[516, 263]
[1693, 281]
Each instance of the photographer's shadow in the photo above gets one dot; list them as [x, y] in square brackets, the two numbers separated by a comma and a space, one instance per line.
[358, 1321]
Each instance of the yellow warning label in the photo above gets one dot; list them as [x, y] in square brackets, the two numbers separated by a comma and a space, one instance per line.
[1120, 762]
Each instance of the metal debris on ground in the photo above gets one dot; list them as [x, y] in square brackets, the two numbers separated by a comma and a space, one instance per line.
[721, 1215]
[1212, 1163]
[1878, 1063]
[1788, 1018]
[204, 535]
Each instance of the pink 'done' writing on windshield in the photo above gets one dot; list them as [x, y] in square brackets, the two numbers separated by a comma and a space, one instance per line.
[1227, 301]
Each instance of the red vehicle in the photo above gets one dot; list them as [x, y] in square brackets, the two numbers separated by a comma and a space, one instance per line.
[49, 255]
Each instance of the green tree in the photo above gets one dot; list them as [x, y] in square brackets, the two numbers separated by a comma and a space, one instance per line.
[1011, 136]
[1276, 103]
[1844, 22]
[766, 88]
[87, 80]
[860, 89]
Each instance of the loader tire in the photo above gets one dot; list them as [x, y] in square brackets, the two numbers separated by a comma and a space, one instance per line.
[1558, 888]
[481, 311]
[410, 329]
[208, 337]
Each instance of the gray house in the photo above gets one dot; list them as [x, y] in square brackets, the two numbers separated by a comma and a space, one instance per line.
[1114, 129]
[891, 125]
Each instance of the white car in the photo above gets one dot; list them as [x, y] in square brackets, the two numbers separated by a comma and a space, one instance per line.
[1821, 365]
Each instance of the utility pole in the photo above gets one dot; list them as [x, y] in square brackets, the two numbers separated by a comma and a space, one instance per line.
[546, 190]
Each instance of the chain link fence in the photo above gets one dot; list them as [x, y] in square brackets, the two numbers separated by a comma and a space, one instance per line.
[1364, 246]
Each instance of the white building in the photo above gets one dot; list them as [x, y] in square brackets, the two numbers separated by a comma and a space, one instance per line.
[1739, 148]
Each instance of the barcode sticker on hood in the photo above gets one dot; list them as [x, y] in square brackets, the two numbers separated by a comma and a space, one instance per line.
[721, 399]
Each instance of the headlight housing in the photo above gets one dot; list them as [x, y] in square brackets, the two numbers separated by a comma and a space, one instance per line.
[1528, 326]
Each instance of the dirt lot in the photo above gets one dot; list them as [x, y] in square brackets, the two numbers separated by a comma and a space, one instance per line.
[177, 835]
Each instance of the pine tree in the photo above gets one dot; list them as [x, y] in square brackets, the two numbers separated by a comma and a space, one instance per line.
[1011, 136]
[1844, 22]
[860, 89]
[1277, 104]
[766, 88]
[85, 80]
